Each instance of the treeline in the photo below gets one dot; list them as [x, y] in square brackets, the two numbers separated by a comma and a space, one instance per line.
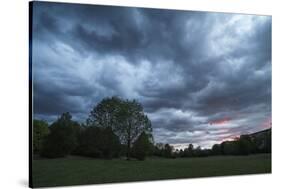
[114, 128]
[119, 128]
[259, 142]
[168, 151]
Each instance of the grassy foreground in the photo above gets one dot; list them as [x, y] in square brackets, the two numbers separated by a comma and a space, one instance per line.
[78, 170]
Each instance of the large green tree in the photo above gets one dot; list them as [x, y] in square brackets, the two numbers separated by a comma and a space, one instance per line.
[40, 131]
[131, 122]
[126, 118]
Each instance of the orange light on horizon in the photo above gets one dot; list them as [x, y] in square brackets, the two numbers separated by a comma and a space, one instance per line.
[220, 121]
[231, 138]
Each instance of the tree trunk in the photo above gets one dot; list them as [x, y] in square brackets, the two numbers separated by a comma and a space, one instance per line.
[129, 141]
[128, 149]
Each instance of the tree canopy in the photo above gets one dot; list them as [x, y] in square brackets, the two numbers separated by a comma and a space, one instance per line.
[126, 118]
[119, 127]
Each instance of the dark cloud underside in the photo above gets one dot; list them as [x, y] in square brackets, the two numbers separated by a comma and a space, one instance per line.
[202, 77]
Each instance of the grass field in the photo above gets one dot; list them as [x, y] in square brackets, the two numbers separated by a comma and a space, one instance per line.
[78, 170]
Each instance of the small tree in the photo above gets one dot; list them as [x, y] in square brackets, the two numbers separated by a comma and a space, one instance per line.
[158, 149]
[40, 131]
[98, 142]
[197, 151]
[61, 140]
[141, 146]
[188, 152]
[181, 153]
[168, 150]
[216, 149]
[110, 143]
[246, 146]
[230, 147]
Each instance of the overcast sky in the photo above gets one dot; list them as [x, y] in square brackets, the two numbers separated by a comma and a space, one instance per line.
[202, 77]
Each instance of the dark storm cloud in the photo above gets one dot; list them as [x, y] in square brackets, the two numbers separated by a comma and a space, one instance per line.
[188, 69]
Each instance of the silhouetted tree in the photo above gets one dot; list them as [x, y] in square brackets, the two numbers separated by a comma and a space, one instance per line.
[77, 128]
[262, 141]
[98, 142]
[125, 117]
[61, 140]
[230, 147]
[142, 146]
[159, 149]
[216, 149]
[188, 152]
[168, 150]
[131, 123]
[197, 152]
[181, 153]
[105, 113]
[110, 143]
[88, 141]
[246, 146]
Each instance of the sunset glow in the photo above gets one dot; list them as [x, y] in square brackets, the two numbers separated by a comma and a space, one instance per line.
[201, 78]
[220, 121]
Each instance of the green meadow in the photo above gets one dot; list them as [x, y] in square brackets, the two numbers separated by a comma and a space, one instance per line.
[75, 170]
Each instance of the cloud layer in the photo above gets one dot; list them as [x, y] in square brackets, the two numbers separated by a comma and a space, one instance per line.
[202, 77]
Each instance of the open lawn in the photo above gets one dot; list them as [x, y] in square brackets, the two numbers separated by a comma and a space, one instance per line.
[79, 170]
